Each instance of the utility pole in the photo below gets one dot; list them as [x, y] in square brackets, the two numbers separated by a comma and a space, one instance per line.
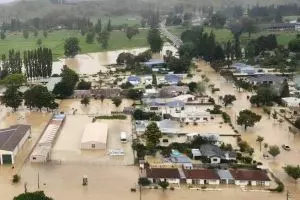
[38, 180]
[287, 195]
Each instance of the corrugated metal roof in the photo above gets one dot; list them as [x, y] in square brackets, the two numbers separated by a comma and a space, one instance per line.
[224, 174]
[11, 137]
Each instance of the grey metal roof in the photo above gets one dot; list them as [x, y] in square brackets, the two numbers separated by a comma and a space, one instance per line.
[210, 150]
[224, 174]
[266, 77]
[11, 137]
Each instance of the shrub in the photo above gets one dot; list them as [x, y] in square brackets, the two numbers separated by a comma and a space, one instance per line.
[83, 85]
[155, 187]
[144, 181]
[120, 117]
[16, 178]
[172, 188]
[226, 117]
[203, 187]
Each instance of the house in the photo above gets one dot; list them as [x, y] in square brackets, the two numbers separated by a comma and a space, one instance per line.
[185, 98]
[215, 154]
[134, 80]
[50, 82]
[172, 79]
[154, 63]
[243, 68]
[12, 140]
[106, 92]
[94, 136]
[201, 176]
[165, 126]
[250, 177]
[281, 27]
[225, 176]
[291, 101]
[173, 91]
[265, 79]
[170, 175]
[42, 151]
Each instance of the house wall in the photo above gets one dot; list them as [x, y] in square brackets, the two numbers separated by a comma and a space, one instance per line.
[171, 181]
[213, 182]
[241, 182]
[202, 181]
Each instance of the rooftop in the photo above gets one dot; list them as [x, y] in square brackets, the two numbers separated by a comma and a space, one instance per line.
[96, 132]
[207, 174]
[251, 175]
[163, 173]
[10, 137]
[266, 77]
[224, 174]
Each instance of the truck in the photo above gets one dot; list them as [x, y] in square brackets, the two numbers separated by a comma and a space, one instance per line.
[123, 137]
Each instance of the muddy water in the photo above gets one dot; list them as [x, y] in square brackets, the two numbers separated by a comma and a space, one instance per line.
[273, 132]
[92, 63]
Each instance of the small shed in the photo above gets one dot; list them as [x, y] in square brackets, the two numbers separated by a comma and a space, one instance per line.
[134, 80]
[94, 136]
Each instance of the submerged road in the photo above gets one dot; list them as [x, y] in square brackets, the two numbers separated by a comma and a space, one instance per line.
[176, 41]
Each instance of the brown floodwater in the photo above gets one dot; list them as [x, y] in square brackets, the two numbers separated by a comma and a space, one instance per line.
[92, 63]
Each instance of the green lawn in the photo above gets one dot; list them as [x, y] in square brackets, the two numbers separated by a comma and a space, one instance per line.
[223, 35]
[55, 41]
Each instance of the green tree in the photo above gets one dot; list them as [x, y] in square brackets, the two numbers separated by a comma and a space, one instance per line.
[85, 101]
[117, 101]
[228, 99]
[154, 40]
[71, 47]
[2, 35]
[259, 139]
[109, 28]
[248, 25]
[152, 135]
[12, 97]
[131, 31]
[217, 20]
[285, 91]
[35, 33]
[274, 150]
[98, 26]
[143, 181]
[25, 34]
[188, 50]
[163, 184]
[39, 42]
[293, 171]
[14, 80]
[45, 34]
[247, 118]
[134, 94]
[154, 79]
[103, 39]
[38, 195]
[90, 37]
[297, 123]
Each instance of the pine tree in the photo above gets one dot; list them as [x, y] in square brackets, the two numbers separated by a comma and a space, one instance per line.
[109, 29]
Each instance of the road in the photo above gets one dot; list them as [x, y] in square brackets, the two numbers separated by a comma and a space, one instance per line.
[173, 38]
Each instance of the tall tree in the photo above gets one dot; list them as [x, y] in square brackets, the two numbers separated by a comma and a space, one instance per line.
[248, 25]
[228, 99]
[90, 37]
[109, 28]
[152, 135]
[45, 34]
[98, 26]
[259, 139]
[71, 47]
[103, 39]
[25, 34]
[2, 35]
[154, 40]
[285, 91]
[14, 80]
[247, 118]
[117, 101]
[131, 31]
[85, 101]
[12, 97]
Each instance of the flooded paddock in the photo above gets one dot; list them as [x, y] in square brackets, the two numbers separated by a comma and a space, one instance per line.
[92, 63]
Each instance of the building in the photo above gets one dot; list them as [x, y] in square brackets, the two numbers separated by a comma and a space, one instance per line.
[180, 159]
[170, 175]
[172, 79]
[225, 176]
[106, 92]
[215, 154]
[265, 79]
[42, 151]
[50, 82]
[165, 126]
[134, 80]
[201, 177]
[250, 177]
[94, 136]
[291, 101]
[282, 27]
[155, 63]
[12, 140]
[173, 91]
[243, 68]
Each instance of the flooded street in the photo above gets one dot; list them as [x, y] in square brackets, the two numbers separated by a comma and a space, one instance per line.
[92, 63]
[273, 132]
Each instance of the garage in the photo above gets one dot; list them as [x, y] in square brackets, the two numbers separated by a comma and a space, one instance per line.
[7, 159]
[94, 136]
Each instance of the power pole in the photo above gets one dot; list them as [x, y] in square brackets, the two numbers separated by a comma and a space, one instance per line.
[38, 180]
[287, 195]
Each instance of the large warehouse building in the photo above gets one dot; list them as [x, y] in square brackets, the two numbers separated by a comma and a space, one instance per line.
[11, 141]
[94, 136]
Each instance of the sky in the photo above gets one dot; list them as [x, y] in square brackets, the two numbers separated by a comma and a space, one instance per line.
[6, 1]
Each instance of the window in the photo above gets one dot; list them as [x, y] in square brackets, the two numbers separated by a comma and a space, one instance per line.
[215, 159]
[93, 146]
[34, 158]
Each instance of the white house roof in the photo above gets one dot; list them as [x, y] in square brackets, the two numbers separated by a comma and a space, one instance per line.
[95, 132]
[292, 101]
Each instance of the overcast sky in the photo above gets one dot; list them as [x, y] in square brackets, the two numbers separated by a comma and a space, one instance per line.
[6, 1]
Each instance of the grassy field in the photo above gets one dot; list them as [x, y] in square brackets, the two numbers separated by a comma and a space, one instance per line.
[223, 35]
[55, 41]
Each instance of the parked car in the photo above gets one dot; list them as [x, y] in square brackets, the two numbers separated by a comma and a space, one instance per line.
[285, 147]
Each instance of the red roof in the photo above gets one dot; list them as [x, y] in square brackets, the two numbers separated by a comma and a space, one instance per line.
[207, 174]
[163, 173]
[250, 175]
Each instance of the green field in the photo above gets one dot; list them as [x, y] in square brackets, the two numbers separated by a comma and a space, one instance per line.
[55, 41]
[223, 35]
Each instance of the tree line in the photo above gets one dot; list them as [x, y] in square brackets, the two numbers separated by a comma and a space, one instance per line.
[37, 63]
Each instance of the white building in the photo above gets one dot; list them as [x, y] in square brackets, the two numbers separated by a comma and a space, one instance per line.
[291, 101]
[250, 177]
[94, 136]
[12, 140]
[202, 177]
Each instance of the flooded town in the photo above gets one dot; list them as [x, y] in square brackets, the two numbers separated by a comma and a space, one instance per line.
[159, 104]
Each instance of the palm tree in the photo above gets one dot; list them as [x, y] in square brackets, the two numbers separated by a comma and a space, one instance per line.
[259, 139]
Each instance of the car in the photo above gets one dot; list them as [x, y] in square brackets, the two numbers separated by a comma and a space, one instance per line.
[286, 147]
